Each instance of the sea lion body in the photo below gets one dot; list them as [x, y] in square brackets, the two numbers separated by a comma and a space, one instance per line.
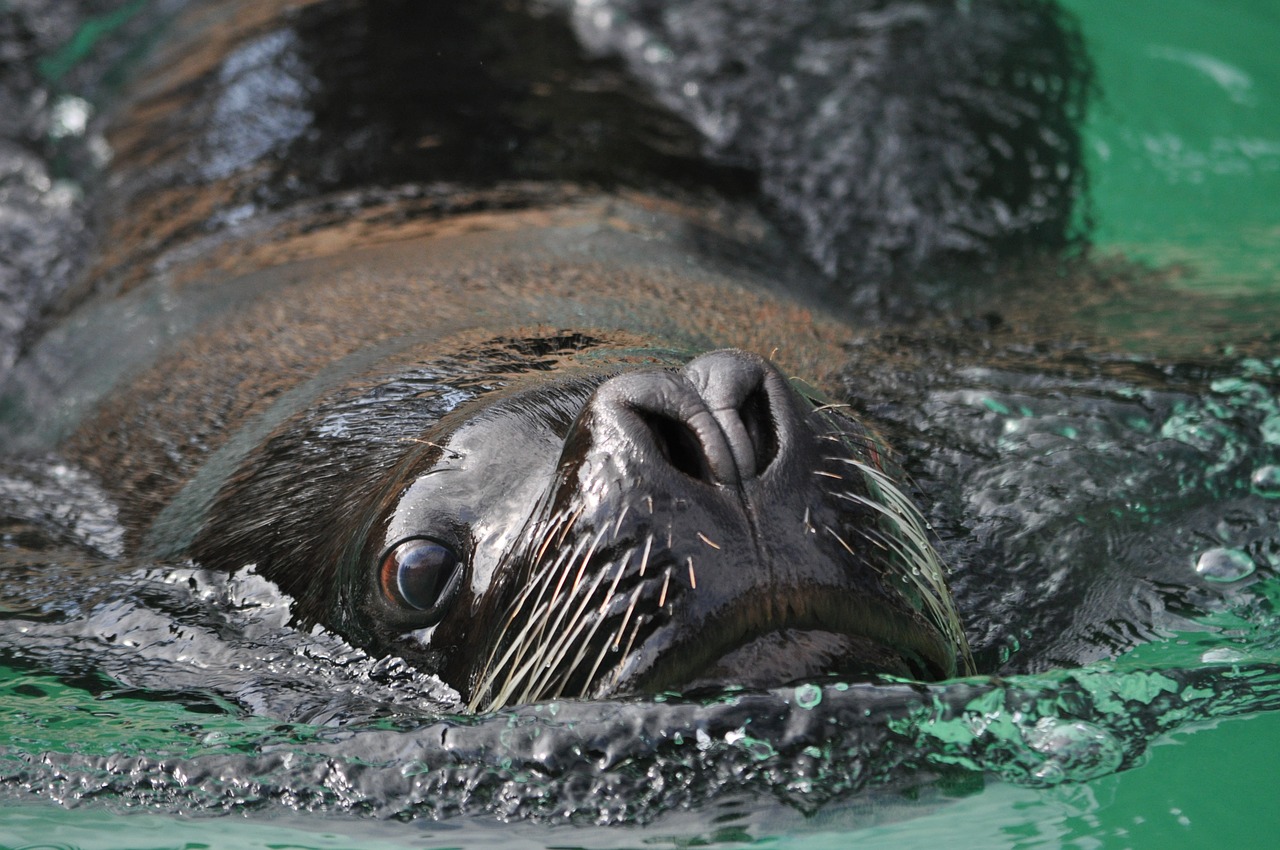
[450, 387]
[545, 419]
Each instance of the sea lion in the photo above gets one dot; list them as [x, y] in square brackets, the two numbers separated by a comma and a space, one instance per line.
[549, 437]
[582, 522]
[526, 510]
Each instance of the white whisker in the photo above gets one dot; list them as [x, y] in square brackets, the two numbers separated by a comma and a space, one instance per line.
[586, 559]
[635, 596]
[570, 637]
[617, 526]
[644, 559]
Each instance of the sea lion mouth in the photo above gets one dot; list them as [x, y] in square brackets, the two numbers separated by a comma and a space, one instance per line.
[817, 638]
[790, 656]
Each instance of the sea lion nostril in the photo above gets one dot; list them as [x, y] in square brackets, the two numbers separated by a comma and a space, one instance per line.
[744, 394]
[757, 420]
[716, 445]
[722, 420]
[678, 444]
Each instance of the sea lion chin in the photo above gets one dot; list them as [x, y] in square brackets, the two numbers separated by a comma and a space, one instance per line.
[605, 528]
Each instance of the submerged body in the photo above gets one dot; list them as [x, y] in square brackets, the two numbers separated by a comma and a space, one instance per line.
[527, 510]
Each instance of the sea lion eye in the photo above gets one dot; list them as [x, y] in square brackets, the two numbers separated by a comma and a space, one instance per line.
[420, 573]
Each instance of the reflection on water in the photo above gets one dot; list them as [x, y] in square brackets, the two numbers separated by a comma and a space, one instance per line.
[59, 57]
[872, 133]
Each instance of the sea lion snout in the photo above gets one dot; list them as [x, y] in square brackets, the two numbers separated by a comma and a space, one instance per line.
[721, 420]
[601, 528]
[705, 525]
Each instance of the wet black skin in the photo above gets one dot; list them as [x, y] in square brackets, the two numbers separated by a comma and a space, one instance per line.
[667, 527]
[557, 477]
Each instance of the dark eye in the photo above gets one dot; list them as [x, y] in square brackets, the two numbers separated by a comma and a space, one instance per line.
[420, 573]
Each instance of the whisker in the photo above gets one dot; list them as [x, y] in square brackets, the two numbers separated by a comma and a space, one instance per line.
[520, 652]
[572, 521]
[453, 454]
[635, 631]
[617, 576]
[907, 538]
[617, 526]
[586, 559]
[604, 650]
[522, 643]
[635, 596]
[570, 637]
[841, 540]
[546, 539]
[644, 559]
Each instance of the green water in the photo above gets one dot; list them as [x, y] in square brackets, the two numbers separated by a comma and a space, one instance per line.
[1211, 786]
[1185, 141]
[1185, 148]
[1204, 788]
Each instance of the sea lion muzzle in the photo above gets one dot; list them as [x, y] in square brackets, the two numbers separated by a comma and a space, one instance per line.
[705, 525]
[537, 517]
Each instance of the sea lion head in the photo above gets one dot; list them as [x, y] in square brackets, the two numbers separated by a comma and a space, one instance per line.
[595, 530]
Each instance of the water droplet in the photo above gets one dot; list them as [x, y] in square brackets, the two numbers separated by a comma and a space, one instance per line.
[1266, 481]
[808, 696]
[69, 117]
[756, 748]
[1224, 565]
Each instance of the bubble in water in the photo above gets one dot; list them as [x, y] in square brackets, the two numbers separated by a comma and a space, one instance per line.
[808, 696]
[1074, 751]
[1266, 481]
[1223, 565]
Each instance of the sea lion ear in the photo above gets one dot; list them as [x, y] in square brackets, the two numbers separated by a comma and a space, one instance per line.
[420, 576]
